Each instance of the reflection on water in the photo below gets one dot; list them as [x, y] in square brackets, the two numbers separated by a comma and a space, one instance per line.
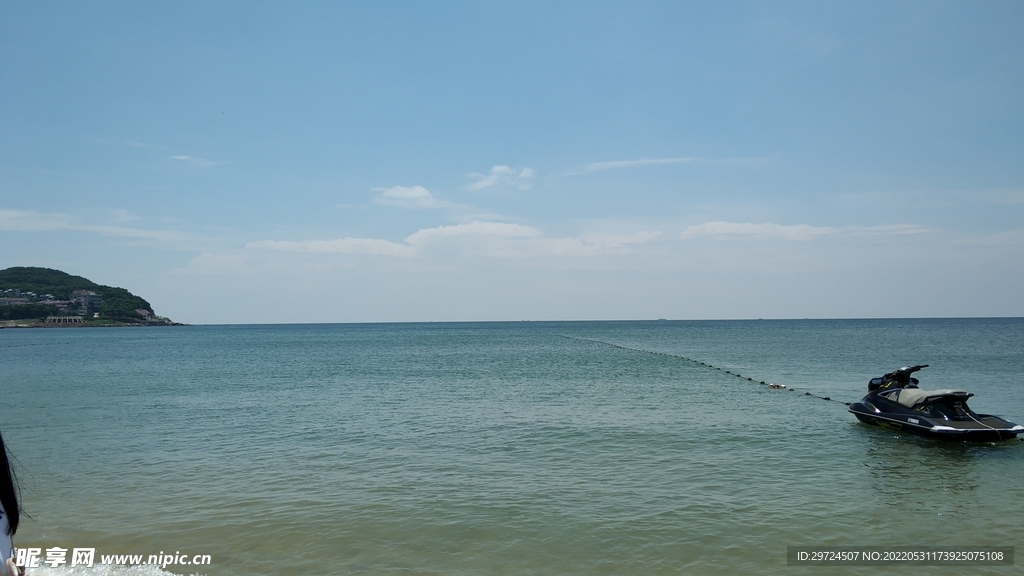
[914, 473]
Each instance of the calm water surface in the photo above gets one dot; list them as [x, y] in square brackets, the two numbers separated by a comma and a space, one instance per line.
[502, 448]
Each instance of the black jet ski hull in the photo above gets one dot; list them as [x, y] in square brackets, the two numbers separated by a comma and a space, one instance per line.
[986, 427]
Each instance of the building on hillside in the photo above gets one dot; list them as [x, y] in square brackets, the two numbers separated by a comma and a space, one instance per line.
[14, 301]
[87, 299]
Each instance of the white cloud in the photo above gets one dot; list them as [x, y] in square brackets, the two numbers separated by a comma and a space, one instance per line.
[418, 198]
[194, 161]
[409, 197]
[503, 175]
[493, 229]
[413, 245]
[485, 181]
[494, 239]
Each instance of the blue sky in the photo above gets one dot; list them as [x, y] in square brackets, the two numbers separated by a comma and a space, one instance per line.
[413, 161]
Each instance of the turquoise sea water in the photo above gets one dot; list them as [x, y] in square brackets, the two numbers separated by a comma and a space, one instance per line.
[503, 448]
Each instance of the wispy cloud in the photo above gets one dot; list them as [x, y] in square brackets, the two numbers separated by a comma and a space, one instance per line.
[137, 144]
[1009, 196]
[619, 164]
[938, 198]
[231, 264]
[503, 175]
[615, 164]
[122, 215]
[495, 239]
[412, 246]
[792, 231]
[887, 229]
[620, 240]
[339, 246]
[1013, 237]
[195, 161]
[29, 221]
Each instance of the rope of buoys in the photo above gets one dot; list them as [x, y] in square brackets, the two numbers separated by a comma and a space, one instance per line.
[771, 385]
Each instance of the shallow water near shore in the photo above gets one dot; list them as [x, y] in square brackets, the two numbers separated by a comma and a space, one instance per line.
[503, 448]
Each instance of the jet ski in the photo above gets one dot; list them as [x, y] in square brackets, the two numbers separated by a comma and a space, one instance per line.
[895, 402]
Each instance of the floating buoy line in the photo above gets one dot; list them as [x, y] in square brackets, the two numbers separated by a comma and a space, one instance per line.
[770, 385]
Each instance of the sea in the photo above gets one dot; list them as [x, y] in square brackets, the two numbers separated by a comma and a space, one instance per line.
[647, 447]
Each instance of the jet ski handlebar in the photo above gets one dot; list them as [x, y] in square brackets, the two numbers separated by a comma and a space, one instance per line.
[899, 377]
[908, 370]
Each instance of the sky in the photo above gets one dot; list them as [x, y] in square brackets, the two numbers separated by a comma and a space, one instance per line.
[267, 162]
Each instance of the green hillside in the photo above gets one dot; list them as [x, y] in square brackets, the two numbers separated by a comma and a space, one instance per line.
[118, 303]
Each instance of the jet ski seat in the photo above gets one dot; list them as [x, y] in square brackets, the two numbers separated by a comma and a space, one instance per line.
[911, 397]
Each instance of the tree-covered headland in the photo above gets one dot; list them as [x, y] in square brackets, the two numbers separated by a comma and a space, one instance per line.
[43, 292]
